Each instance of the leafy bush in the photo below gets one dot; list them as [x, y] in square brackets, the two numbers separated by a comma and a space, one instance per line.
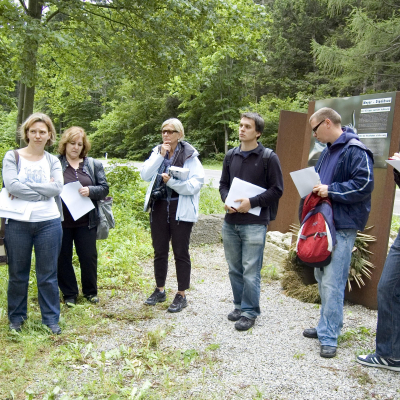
[210, 201]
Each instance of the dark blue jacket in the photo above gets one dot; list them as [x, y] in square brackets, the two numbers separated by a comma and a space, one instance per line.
[352, 182]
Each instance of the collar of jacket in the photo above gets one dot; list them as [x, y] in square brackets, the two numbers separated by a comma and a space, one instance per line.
[64, 164]
[257, 150]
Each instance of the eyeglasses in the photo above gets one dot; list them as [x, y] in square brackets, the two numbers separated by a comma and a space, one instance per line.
[316, 127]
[166, 132]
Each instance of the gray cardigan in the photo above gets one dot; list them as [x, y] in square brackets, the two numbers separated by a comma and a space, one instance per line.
[32, 191]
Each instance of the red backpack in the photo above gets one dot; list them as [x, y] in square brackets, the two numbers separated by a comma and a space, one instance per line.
[317, 234]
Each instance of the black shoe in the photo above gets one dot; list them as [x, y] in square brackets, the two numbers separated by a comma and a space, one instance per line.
[327, 351]
[92, 299]
[156, 297]
[16, 326]
[178, 303]
[235, 315]
[244, 324]
[55, 329]
[310, 333]
[70, 301]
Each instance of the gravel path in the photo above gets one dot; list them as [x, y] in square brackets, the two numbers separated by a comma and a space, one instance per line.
[271, 361]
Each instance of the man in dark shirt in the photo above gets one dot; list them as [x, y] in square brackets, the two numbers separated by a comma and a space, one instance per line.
[244, 233]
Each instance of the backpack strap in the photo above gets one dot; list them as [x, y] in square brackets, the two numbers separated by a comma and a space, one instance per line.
[91, 166]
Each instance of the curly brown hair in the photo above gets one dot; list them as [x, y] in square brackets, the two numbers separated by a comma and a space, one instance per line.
[69, 135]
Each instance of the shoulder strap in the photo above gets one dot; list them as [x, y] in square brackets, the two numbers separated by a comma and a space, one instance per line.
[16, 155]
[266, 156]
[229, 155]
[91, 166]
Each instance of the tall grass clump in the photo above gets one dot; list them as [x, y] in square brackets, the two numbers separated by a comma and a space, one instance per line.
[129, 242]
[210, 201]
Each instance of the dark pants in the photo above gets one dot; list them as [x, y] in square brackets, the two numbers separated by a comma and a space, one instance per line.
[388, 329]
[179, 234]
[85, 245]
[45, 238]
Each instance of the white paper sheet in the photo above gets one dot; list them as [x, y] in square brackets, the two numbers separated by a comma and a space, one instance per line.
[394, 163]
[305, 179]
[241, 189]
[17, 209]
[77, 204]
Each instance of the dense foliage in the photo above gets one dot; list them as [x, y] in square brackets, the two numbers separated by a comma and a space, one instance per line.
[119, 68]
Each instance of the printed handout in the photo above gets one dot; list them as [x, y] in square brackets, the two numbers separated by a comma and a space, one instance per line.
[394, 163]
[241, 189]
[77, 204]
[15, 208]
[305, 179]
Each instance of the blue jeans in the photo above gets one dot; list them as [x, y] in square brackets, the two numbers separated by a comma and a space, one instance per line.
[20, 238]
[388, 329]
[244, 250]
[331, 285]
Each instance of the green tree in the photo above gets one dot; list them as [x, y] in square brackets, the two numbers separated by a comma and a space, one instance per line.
[364, 56]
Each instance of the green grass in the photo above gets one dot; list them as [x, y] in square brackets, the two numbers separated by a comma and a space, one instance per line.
[270, 273]
[210, 201]
[212, 164]
[36, 365]
[395, 225]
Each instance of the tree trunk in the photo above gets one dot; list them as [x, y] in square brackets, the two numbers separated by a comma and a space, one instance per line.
[28, 78]
[226, 138]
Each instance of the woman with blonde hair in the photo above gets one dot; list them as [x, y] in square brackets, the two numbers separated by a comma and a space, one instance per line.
[174, 208]
[34, 175]
[76, 166]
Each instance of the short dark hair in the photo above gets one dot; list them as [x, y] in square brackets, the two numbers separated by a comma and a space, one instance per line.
[258, 120]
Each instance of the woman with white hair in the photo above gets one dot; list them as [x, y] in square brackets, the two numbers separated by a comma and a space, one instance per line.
[174, 207]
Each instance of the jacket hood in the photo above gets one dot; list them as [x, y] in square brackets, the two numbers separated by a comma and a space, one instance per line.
[347, 136]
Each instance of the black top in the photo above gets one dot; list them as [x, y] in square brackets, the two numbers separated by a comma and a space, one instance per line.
[251, 169]
[72, 175]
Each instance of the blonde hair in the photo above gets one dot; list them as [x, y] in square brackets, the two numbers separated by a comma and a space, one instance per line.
[38, 117]
[327, 113]
[176, 124]
[69, 135]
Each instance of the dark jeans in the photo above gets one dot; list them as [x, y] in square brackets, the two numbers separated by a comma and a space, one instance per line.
[179, 233]
[388, 329]
[85, 245]
[20, 238]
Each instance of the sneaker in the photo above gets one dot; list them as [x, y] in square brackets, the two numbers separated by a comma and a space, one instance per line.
[156, 297]
[244, 324]
[178, 303]
[55, 329]
[92, 299]
[373, 360]
[70, 301]
[327, 351]
[310, 333]
[16, 326]
[235, 315]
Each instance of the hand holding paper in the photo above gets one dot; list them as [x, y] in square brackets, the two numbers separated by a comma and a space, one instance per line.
[305, 180]
[394, 161]
[245, 205]
[239, 194]
[77, 204]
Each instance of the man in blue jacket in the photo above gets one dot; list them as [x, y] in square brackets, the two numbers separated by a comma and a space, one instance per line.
[243, 233]
[346, 171]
